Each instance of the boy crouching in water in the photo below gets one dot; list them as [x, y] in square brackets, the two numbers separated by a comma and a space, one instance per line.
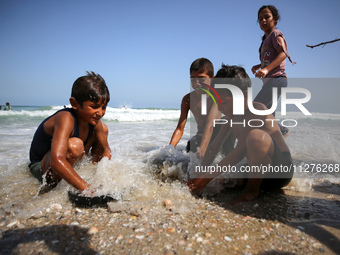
[261, 141]
[62, 139]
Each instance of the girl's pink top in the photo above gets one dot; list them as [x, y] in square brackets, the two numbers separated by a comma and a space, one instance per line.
[270, 50]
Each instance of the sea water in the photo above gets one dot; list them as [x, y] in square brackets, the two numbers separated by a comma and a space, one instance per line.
[143, 166]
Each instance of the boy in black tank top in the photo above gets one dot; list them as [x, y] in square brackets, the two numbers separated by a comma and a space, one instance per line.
[62, 139]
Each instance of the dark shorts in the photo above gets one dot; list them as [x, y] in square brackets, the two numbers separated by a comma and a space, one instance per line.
[265, 96]
[277, 180]
[36, 171]
[194, 142]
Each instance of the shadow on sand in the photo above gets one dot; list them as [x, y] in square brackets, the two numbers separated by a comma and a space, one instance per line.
[74, 241]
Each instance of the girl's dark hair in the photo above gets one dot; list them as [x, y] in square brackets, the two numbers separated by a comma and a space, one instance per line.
[202, 65]
[273, 10]
[276, 16]
[235, 75]
[90, 87]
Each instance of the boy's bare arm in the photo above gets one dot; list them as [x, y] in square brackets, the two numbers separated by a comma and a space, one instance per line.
[63, 129]
[178, 133]
[214, 147]
[235, 155]
[198, 184]
[101, 133]
[214, 113]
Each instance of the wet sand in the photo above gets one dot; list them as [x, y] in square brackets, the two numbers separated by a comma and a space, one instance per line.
[287, 222]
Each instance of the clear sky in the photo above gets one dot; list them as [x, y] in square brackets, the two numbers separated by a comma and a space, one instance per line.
[143, 49]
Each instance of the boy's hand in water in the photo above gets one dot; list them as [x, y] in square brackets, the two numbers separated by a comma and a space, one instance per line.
[89, 192]
[199, 156]
[196, 185]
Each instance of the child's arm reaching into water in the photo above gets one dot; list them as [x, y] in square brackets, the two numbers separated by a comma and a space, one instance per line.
[197, 184]
[178, 133]
[64, 153]
[100, 147]
[214, 113]
[214, 147]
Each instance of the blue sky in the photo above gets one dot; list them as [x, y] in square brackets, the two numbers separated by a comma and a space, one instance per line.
[144, 49]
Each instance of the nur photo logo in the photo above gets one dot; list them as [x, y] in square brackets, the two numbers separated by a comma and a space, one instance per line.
[204, 97]
[239, 99]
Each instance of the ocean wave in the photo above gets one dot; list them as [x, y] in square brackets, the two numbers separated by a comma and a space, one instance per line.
[112, 114]
[126, 114]
[313, 116]
[132, 115]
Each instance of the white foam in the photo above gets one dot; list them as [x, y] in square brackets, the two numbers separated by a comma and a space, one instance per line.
[112, 114]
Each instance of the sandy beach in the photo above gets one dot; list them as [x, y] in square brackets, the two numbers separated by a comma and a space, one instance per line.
[159, 216]
[290, 223]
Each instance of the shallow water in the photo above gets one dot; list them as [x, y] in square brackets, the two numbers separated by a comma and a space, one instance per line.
[139, 140]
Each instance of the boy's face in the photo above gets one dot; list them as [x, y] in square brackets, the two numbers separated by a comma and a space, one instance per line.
[197, 78]
[92, 112]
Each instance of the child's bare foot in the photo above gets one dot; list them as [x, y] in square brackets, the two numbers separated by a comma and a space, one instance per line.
[245, 196]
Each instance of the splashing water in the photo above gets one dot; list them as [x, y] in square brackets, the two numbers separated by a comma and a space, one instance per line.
[143, 168]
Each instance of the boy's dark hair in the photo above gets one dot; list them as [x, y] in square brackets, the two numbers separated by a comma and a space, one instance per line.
[202, 65]
[234, 75]
[90, 87]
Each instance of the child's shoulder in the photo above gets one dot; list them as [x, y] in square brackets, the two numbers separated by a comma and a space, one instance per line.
[64, 115]
[277, 33]
[259, 106]
[63, 119]
[66, 112]
[186, 97]
[185, 104]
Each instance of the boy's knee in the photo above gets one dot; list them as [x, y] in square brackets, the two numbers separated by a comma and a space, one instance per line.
[258, 140]
[75, 147]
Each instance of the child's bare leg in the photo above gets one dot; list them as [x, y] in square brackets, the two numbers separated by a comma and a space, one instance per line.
[75, 150]
[74, 153]
[260, 147]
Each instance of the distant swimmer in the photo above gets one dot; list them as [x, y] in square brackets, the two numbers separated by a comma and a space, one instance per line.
[8, 107]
